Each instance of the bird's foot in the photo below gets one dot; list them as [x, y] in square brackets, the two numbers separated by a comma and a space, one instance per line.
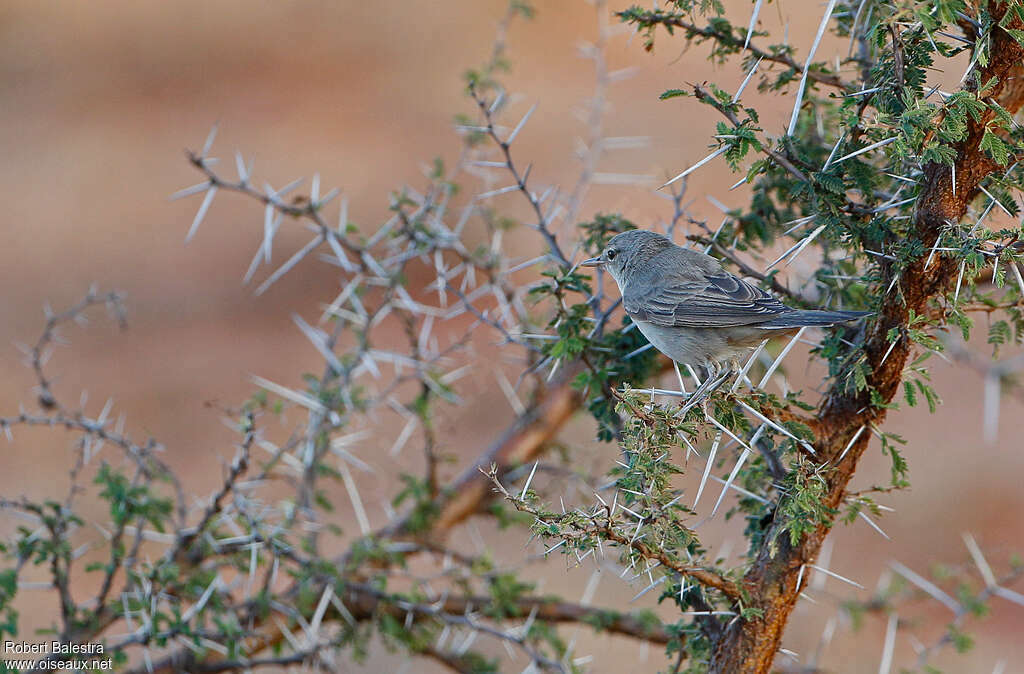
[717, 375]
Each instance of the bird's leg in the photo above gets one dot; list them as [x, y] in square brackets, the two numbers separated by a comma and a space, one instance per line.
[704, 404]
[737, 369]
[722, 374]
[717, 374]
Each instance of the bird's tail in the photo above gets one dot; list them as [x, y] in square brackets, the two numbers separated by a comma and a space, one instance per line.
[799, 318]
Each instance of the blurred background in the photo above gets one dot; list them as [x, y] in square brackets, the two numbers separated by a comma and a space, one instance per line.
[98, 101]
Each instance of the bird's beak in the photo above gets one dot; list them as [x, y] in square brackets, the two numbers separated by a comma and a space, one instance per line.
[592, 262]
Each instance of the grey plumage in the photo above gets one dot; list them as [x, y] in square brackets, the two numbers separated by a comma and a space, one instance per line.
[690, 308]
[798, 318]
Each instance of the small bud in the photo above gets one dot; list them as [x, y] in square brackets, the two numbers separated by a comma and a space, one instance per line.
[46, 400]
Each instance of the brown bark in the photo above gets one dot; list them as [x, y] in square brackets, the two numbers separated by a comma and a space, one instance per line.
[750, 646]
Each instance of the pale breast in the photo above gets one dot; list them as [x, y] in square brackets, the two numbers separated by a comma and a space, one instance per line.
[701, 346]
[680, 344]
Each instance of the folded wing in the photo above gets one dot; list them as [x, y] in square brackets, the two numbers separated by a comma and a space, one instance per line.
[712, 300]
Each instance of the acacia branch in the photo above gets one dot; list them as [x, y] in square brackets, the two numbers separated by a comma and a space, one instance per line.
[523, 441]
[601, 526]
[750, 646]
[705, 96]
[649, 18]
[364, 603]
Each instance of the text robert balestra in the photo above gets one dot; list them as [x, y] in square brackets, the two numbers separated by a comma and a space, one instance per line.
[52, 647]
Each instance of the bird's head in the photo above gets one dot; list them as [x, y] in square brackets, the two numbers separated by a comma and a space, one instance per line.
[628, 251]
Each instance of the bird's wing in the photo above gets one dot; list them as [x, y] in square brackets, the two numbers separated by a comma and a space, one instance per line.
[704, 300]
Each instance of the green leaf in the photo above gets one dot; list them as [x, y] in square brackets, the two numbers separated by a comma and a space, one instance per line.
[673, 93]
[996, 148]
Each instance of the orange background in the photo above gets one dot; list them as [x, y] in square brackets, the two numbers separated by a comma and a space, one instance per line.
[97, 102]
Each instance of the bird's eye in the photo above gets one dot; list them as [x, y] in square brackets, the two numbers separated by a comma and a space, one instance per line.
[610, 254]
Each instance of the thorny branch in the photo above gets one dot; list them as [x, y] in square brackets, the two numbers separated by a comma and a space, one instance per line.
[659, 17]
[600, 524]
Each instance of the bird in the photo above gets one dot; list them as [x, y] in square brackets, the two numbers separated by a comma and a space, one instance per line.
[694, 311]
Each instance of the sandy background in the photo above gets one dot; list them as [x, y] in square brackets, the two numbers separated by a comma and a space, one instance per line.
[97, 102]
